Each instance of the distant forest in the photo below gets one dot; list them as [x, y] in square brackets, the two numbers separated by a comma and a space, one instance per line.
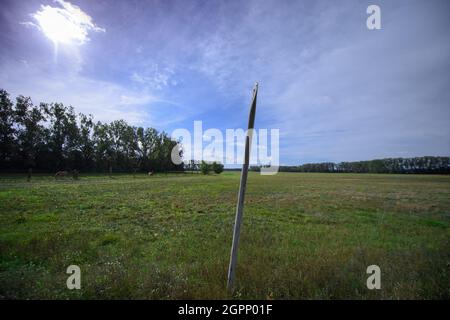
[51, 137]
[436, 165]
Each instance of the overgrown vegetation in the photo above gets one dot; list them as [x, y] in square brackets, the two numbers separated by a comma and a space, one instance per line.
[306, 235]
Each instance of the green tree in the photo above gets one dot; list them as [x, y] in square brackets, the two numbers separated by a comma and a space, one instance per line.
[7, 139]
[30, 132]
[217, 167]
[103, 146]
[205, 167]
[86, 142]
[64, 136]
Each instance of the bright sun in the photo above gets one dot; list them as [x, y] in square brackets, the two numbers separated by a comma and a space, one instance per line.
[67, 25]
[58, 26]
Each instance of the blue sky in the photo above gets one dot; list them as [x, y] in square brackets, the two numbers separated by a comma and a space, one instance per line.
[335, 90]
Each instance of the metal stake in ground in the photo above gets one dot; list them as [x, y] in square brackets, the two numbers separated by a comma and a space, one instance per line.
[240, 203]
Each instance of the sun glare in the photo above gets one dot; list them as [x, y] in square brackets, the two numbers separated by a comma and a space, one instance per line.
[59, 28]
[66, 24]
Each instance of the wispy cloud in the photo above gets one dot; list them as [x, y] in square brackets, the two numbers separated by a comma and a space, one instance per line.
[154, 77]
[336, 90]
[107, 101]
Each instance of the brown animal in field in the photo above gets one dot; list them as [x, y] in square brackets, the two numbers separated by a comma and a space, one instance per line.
[150, 173]
[61, 174]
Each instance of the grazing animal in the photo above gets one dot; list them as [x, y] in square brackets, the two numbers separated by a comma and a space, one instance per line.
[150, 173]
[61, 174]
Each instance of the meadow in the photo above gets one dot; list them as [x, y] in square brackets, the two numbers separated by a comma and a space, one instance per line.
[304, 236]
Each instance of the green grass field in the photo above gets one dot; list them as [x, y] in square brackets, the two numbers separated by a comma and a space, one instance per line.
[304, 236]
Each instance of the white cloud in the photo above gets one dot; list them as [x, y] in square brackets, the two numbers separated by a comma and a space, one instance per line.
[137, 100]
[154, 77]
[105, 100]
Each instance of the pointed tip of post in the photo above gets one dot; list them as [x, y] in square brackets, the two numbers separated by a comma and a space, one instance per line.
[255, 88]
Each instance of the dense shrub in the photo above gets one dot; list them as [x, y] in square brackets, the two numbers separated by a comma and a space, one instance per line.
[217, 167]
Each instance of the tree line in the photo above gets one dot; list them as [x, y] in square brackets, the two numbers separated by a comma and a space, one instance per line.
[52, 137]
[436, 165]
